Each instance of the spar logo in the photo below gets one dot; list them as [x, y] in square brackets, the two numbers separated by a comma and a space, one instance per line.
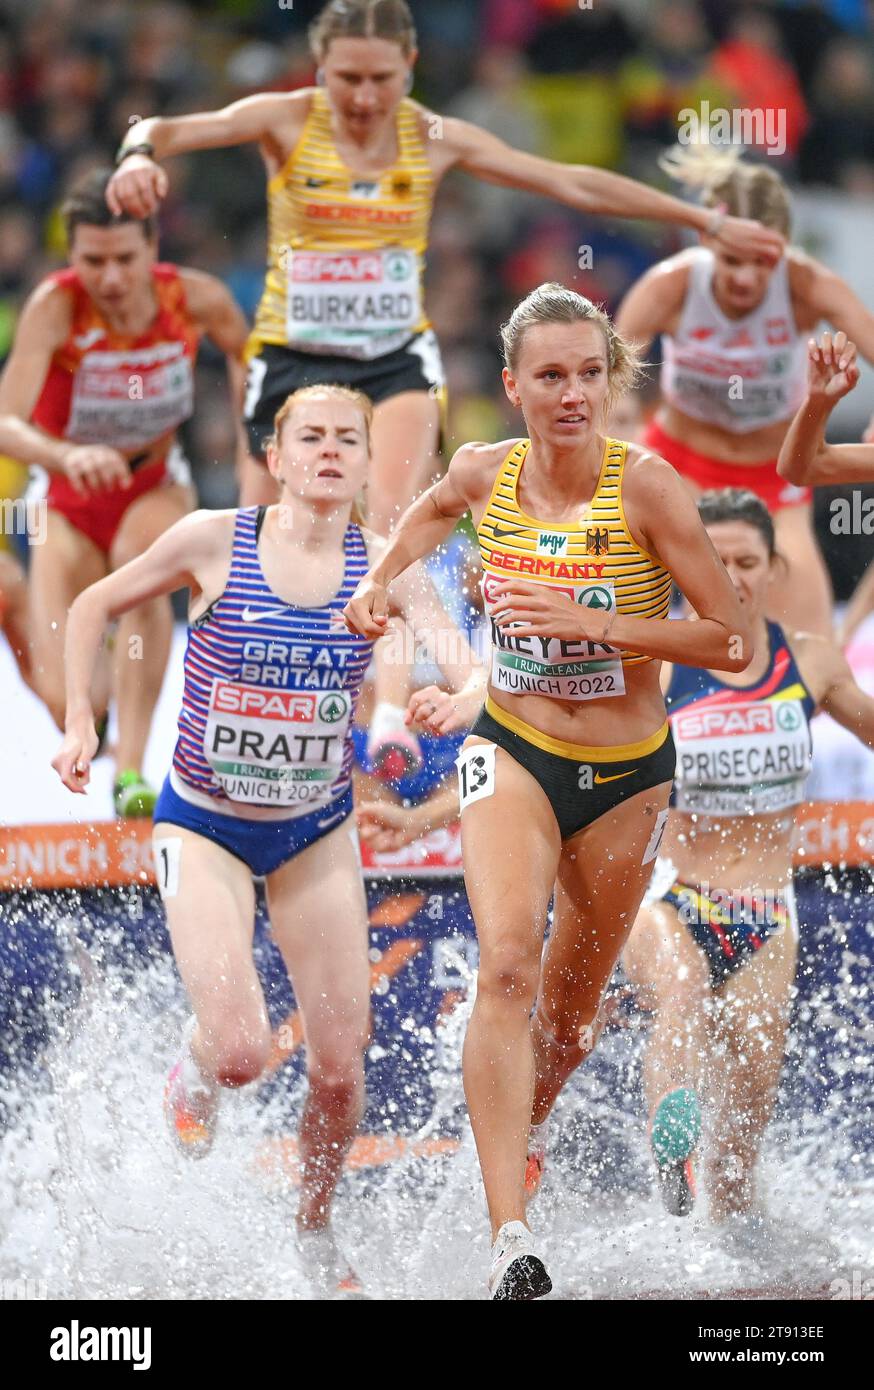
[788, 718]
[332, 708]
[729, 722]
[398, 265]
[263, 704]
[595, 596]
[321, 267]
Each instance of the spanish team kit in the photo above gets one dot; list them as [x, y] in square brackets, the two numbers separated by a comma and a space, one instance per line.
[127, 392]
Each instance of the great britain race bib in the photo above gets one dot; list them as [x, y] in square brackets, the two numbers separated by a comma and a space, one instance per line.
[281, 748]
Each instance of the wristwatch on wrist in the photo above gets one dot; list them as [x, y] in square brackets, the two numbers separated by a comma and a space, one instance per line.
[144, 147]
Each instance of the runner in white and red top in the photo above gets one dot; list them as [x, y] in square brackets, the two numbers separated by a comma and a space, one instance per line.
[734, 331]
[99, 379]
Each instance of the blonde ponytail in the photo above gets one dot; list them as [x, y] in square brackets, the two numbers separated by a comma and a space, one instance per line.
[747, 190]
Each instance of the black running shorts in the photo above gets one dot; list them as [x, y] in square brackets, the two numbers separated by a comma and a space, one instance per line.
[274, 372]
[580, 789]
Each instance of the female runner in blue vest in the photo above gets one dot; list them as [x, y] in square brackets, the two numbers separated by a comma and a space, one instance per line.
[716, 947]
[261, 779]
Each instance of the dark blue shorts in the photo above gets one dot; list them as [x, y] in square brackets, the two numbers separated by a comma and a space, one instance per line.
[731, 927]
[264, 845]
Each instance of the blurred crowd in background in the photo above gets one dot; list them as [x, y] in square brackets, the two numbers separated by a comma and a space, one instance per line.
[598, 83]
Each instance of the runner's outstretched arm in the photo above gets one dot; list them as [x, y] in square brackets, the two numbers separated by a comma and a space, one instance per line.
[598, 191]
[805, 458]
[139, 183]
[171, 562]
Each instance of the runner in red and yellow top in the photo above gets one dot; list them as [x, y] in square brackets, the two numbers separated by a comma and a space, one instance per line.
[103, 369]
[734, 328]
[564, 780]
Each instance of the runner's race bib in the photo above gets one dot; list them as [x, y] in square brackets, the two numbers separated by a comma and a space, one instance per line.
[355, 304]
[280, 748]
[743, 759]
[128, 399]
[579, 670]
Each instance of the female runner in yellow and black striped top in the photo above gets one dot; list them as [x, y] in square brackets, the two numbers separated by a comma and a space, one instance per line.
[596, 562]
[346, 254]
[598, 565]
[564, 786]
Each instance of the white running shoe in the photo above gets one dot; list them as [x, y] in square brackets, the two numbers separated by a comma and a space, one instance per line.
[517, 1270]
[325, 1265]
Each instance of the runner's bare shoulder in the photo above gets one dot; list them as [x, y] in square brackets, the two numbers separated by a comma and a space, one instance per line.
[474, 467]
[646, 474]
[287, 113]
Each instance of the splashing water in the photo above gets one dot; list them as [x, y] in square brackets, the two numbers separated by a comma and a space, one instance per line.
[95, 1201]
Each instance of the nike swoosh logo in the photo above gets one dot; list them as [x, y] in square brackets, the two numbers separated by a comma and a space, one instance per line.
[84, 340]
[331, 820]
[254, 615]
[499, 532]
[615, 776]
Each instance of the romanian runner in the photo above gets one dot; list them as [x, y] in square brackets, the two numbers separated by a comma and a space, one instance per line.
[716, 948]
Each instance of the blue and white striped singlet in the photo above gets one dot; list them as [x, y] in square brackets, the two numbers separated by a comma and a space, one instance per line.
[270, 691]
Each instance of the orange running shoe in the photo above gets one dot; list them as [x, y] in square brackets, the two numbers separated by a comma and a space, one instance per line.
[536, 1162]
[191, 1114]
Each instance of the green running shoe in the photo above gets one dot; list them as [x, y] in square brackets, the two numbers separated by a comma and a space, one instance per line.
[676, 1128]
[133, 796]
